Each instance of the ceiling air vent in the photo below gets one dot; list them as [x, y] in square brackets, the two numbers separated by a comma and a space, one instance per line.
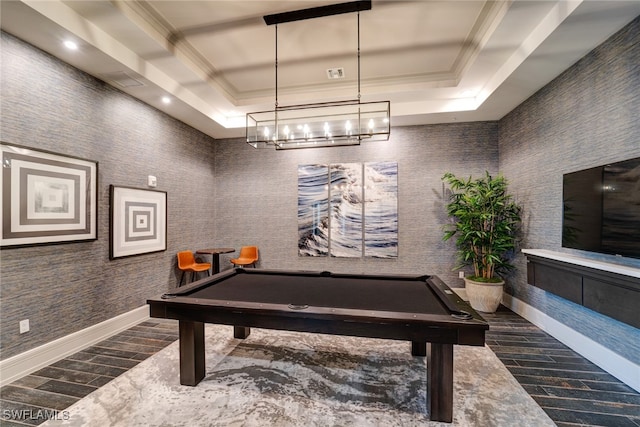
[122, 79]
[335, 73]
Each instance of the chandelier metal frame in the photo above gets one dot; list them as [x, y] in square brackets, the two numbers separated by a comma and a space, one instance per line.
[325, 124]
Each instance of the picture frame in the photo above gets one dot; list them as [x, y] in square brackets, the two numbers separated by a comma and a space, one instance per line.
[47, 198]
[138, 221]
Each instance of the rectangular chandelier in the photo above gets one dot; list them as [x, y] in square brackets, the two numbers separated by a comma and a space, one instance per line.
[325, 124]
[329, 124]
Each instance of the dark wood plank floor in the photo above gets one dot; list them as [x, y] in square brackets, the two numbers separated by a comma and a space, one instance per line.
[572, 390]
[46, 393]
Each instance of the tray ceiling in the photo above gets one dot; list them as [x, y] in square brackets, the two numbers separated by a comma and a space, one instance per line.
[436, 61]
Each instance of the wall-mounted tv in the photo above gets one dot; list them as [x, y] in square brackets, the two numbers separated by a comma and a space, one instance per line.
[601, 209]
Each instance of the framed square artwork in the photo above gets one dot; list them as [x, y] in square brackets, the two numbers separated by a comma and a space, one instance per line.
[46, 197]
[138, 221]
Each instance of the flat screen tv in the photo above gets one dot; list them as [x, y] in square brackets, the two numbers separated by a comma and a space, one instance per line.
[601, 209]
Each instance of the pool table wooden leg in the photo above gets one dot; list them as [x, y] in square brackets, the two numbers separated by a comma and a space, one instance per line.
[192, 363]
[440, 382]
[241, 332]
[418, 348]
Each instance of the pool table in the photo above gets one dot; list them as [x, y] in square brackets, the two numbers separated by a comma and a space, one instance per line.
[419, 309]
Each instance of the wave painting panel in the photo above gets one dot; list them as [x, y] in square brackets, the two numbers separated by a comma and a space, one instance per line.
[381, 209]
[313, 210]
[346, 210]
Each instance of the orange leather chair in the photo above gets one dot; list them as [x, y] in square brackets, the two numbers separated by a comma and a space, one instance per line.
[187, 262]
[248, 256]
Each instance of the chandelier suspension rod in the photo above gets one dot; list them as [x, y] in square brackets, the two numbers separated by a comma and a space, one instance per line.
[276, 59]
[358, 56]
[275, 110]
[276, 63]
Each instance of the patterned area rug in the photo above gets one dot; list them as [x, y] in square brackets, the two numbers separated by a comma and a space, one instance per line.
[276, 378]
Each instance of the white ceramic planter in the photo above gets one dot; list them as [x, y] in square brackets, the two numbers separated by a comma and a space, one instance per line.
[483, 296]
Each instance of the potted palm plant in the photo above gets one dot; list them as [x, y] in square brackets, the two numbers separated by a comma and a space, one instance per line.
[486, 224]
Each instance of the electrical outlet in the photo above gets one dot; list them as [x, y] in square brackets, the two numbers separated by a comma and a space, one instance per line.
[461, 274]
[24, 326]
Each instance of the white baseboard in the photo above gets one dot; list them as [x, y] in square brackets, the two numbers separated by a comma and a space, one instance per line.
[621, 368]
[30, 361]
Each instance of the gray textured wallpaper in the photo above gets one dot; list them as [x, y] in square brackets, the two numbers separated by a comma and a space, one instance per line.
[257, 194]
[225, 193]
[64, 288]
[588, 116]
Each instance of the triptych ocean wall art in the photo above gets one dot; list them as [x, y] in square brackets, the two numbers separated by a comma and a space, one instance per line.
[348, 210]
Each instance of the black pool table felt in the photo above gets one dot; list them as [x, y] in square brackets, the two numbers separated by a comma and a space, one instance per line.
[408, 296]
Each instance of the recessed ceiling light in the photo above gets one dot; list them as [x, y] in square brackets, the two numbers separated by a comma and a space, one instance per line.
[166, 100]
[71, 45]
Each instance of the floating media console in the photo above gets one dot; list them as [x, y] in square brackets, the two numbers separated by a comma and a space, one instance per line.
[606, 288]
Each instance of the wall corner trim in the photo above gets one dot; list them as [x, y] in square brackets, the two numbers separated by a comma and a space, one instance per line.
[625, 370]
[30, 361]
